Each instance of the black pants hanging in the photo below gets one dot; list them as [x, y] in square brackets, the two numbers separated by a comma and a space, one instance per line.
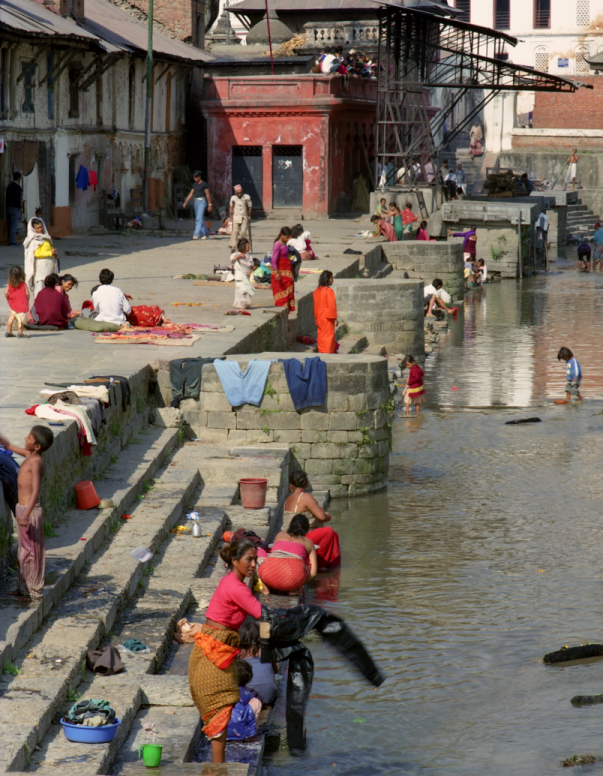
[280, 631]
[185, 377]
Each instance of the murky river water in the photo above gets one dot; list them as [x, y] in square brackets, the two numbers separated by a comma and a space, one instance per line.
[485, 553]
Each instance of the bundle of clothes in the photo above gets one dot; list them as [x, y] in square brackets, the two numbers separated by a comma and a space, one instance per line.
[91, 713]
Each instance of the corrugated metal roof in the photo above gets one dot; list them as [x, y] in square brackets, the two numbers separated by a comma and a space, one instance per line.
[106, 26]
[292, 6]
[109, 22]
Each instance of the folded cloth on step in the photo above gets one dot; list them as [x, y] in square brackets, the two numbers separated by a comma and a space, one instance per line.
[81, 415]
[134, 645]
[91, 713]
[97, 410]
[243, 387]
[105, 662]
[126, 398]
[100, 392]
[307, 382]
[280, 631]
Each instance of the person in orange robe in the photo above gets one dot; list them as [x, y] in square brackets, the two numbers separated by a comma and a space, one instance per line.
[325, 312]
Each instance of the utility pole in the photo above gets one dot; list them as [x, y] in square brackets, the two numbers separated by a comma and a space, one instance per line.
[147, 116]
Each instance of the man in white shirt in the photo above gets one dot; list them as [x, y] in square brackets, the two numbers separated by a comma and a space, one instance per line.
[240, 215]
[110, 302]
[435, 296]
[326, 66]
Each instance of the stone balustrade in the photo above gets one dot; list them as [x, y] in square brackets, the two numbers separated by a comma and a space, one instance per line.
[354, 33]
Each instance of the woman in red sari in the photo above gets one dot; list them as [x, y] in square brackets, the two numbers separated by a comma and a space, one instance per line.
[325, 312]
[283, 285]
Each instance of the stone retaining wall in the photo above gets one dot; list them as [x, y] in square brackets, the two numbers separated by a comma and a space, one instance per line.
[344, 446]
[387, 312]
[427, 261]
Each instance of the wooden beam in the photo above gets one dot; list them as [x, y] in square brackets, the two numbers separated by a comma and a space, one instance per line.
[33, 64]
[93, 65]
[163, 72]
[109, 62]
[56, 71]
[144, 77]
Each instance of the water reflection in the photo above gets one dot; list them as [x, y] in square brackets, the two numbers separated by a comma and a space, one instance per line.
[482, 556]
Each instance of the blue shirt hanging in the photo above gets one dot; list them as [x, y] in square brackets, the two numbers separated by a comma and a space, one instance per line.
[81, 179]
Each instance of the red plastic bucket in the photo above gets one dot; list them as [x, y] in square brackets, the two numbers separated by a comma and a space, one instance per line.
[253, 492]
[86, 496]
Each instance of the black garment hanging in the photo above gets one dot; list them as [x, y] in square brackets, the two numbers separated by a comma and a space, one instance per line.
[185, 378]
[280, 631]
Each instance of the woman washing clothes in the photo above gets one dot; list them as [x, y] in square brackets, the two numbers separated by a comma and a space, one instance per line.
[40, 255]
[283, 285]
[323, 537]
[292, 560]
[212, 669]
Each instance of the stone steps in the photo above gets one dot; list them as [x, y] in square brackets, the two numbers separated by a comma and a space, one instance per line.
[353, 343]
[51, 666]
[66, 553]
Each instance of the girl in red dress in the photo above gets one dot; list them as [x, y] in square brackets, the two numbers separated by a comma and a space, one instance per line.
[414, 393]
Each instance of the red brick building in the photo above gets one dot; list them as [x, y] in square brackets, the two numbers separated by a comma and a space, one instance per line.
[292, 141]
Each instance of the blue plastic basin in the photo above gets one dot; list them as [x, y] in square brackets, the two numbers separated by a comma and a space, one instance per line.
[90, 735]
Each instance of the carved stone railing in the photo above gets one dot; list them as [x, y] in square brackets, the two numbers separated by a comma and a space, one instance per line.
[358, 33]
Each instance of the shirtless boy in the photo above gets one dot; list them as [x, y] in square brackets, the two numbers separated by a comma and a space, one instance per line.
[29, 516]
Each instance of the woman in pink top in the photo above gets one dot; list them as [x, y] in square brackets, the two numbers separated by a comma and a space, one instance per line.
[384, 229]
[293, 558]
[422, 232]
[212, 669]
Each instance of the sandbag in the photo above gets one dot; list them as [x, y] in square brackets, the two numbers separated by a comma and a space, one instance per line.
[91, 324]
[280, 631]
[105, 662]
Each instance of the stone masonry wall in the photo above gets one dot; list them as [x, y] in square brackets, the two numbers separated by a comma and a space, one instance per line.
[344, 446]
[429, 260]
[387, 312]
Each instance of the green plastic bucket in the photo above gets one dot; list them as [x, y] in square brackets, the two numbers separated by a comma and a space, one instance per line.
[151, 755]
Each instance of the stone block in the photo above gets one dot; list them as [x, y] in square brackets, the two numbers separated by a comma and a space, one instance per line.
[357, 402]
[301, 450]
[213, 435]
[281, 420]
[383, 449]
[368, 451]
[196, 420]
[365, 466]
[167, 417]
[250, 420]
[339, 491]
[314, 437]
[385, 464]
[357, 479]
[344, 466]
[287, 436]
[259, 436]
[349, 451]
[355, 436]
[222, 420]
[311, 420]
[361, 490]
[346, 383]
[235, 435]
[374, 399]
[344, 421]
[285, 402]
[214, 401]
[336, 401]
[318, 466]
[325, 451]
[337, 436]
[323, 481]
[378, 434]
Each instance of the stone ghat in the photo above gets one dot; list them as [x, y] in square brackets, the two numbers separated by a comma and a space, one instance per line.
[344, 445]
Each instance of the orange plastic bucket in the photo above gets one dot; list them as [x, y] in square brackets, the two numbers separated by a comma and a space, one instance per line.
[253, 492]
[86, 496]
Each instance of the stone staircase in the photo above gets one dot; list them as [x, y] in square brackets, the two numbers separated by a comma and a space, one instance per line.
[99, 594]
[580, 223]
[471, 165]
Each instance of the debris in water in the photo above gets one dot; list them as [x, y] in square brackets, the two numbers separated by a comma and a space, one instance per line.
[586, 700]
[522, 420]
[574, 653]
[579, 759]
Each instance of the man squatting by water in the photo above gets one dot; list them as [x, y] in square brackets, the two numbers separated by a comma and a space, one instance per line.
[28, 513]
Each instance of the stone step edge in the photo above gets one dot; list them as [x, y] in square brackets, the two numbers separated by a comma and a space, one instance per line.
[40, 729]
[21, 631]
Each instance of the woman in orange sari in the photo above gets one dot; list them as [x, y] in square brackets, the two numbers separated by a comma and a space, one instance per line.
[325, 312]
[212, 669]
[282, 281]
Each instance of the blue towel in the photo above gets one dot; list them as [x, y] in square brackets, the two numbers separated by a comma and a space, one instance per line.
[81, 179]
[243, 387]
[307, 386]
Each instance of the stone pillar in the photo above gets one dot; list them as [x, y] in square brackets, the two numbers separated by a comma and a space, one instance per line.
[428, 261]
[388, 312]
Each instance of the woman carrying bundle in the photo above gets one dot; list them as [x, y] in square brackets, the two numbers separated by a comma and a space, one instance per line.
[212, 669]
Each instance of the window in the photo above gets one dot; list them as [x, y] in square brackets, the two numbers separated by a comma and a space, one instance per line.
[2, 83]
[50, 95]
[99, 101]
[542, 14]
[582, 65]
[74, 92]
[464, 6]
[541, 59]
[582, 13]
[28, 69]
[131, 96]
[502, 14]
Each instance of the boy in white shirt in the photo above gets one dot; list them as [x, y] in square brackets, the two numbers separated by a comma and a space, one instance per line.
[110, 302]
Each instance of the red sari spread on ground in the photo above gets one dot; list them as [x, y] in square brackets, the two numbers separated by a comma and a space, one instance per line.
[325, 315]
[145, 315]
[283, 289]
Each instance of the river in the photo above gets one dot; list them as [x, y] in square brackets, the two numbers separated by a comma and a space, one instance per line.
[482, 556]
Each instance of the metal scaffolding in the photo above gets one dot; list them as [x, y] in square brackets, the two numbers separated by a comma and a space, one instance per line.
[420, 51]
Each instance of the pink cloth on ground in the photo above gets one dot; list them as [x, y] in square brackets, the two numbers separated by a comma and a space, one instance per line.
[32, 553]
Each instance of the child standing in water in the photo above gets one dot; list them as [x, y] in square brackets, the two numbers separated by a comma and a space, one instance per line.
[29, 516]
[17, 296]
[573, 373]
[414, 393]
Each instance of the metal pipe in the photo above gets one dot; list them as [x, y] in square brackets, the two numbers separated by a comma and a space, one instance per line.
[148, 109]
[519, 245]
[269, 38]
